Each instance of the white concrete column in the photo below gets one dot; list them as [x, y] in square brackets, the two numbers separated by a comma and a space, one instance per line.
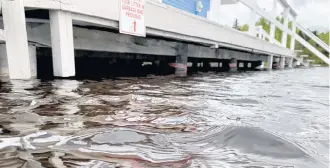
[33, 60]
[293, 37]
[270, 62]
[16, 39]
[272, 25]
[286, 22]
[282, 62]
[4, 71]
[62, 43]
[290, 63]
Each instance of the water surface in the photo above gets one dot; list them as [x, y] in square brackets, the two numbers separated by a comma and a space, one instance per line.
[250, 119]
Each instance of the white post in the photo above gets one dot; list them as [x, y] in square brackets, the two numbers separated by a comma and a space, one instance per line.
[16, 39]
[270, 62]
[3, 61]
[33, 60]
[290, 63]
[293, 37]
[282, 62]
[62, 43]
[286, 22]
[272, 25]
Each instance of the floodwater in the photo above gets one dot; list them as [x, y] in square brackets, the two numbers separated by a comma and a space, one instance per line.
[250, 119]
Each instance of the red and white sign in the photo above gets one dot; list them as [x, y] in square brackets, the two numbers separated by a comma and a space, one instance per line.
[132, 17]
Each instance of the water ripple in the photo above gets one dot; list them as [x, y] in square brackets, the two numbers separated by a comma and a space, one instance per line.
[252, 119]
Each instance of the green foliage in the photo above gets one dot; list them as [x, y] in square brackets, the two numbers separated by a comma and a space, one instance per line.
[244, 28]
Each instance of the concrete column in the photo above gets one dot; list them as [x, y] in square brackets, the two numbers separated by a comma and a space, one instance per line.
[181, 61]
[286, 22]
[282, 62]
[33, 60]
[293, 37]
[233, 65]
[4, 71]
[290, 62]
[16, 39]
[272, 25]
[62, 43]
[270, 62]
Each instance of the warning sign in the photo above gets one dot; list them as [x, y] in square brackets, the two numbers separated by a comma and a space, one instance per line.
[132, 17]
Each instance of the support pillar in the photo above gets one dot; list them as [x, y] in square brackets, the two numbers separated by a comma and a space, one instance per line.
[16, 39]
[252, 21]
[286, 22]
[233, 65]
[4, 71]
[290, 62]
[181, 61]
[33, 60]
[272, 25]
[282, 62]
[270, 62]
[293, 37]
[62, 43]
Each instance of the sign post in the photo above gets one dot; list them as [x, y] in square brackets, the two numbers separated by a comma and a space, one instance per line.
[132, 17]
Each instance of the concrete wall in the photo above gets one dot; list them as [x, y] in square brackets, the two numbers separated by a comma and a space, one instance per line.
[190, 6]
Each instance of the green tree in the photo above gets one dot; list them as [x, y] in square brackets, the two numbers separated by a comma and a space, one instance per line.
[244, 28]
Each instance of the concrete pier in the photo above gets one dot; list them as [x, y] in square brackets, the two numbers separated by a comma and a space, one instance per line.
[290, 64]
[62, 43]
[232, 65]
[270, 62]
[4, 71]
[181, 61]
[60, 39]
[33, 60]
[282, 62]
[17, 51]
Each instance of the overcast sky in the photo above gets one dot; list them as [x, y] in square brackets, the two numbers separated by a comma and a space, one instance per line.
[313, 14]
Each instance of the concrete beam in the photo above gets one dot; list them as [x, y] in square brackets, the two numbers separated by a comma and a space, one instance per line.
[97, 40]
[62, 43]
[16, 39]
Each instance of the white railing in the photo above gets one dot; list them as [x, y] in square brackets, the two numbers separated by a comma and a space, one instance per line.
[313, 37]
[279, 25]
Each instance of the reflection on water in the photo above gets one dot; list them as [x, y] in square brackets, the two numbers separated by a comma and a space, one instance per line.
[260, 119]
